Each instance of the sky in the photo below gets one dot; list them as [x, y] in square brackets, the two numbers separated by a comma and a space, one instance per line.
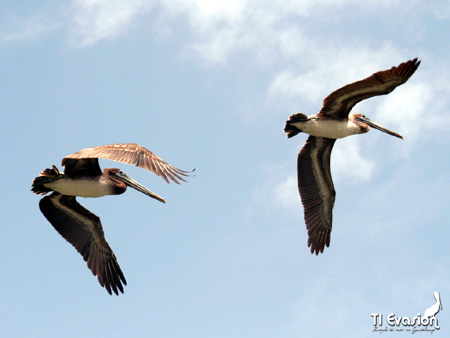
[209, 85]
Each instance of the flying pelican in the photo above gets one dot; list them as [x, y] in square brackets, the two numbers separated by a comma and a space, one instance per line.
[334, 121]
[82, 177]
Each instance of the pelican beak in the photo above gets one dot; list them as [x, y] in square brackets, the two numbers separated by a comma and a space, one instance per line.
[135, 185]
[375, 125]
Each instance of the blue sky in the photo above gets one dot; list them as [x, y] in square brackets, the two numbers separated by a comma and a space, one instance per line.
[209, 85]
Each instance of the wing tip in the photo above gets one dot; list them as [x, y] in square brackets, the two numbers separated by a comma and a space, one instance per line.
[408, 68]
[318, 242]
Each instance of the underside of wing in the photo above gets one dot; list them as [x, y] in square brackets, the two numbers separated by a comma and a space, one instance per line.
[83, 230]
[339, 103]
[316, 190]
[132, 153]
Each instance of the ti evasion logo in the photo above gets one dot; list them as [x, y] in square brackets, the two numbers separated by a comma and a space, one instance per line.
[420, 323]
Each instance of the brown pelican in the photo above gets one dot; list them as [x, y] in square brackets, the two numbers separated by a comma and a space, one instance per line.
[334, 121]
[82, 177]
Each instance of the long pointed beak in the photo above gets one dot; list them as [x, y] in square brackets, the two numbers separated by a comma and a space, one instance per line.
[375, 125]
[135, 185]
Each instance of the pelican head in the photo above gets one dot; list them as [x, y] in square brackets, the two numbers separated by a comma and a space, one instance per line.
[365, 123]
[119, 176]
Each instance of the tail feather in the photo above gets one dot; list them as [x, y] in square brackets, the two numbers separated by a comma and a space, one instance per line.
[47, 176]
[292, 130]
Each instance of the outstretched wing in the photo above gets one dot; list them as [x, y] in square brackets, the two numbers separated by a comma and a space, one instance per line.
[132, 153]
[339, 103]
[83, 230]
[316, 190]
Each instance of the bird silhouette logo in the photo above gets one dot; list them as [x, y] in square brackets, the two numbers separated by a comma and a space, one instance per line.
[435, 308]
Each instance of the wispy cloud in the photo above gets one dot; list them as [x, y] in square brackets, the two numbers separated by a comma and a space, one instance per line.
[279, 190]
[97, 20]
[347, 161]
[263, 29]
[26, 29]
[315, 75]
[417, 107]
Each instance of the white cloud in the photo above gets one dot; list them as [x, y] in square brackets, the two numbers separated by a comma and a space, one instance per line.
[288, 84]
[262, 28]
[26, 29]
[209, 13]
[279, 190]
[347, 162]
[415, 107]
[440, 10]
[316, 75]
[286, 193]
[96, 20]
[218, 28]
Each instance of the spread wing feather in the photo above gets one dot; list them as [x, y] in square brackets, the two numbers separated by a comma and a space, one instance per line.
[316, 190]
[339, 103]
[130, 153]
[83, 230]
